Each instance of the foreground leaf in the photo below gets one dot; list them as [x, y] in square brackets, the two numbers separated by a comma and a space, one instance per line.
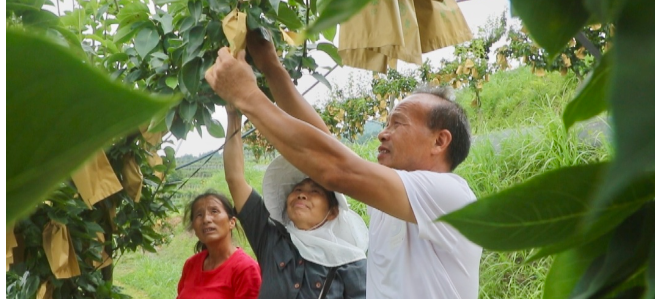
[553, 23]
[59, 112]
[631, 98]
[591, 100]
[544, 210]
[569, 266]
[627, 253]
[331, 50]
[650, 271]
[334, 12]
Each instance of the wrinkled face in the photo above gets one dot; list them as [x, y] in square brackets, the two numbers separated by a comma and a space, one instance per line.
[307, 205]
[211, 222]
[406, 141]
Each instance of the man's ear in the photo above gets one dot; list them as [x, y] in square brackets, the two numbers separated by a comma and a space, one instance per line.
[442, 139]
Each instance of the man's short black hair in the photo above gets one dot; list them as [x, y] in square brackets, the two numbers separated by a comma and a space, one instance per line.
[449, 115]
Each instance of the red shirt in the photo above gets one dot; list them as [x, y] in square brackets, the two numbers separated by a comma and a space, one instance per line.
[237, 277]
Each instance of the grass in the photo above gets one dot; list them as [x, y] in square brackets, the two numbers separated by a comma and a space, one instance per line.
[520, 134]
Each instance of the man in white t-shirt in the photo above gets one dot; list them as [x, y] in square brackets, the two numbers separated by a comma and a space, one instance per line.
[427, 135]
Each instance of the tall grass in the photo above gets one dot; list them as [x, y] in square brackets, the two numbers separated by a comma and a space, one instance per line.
[519, 134]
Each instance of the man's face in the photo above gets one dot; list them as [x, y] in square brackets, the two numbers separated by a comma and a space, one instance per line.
[406, 140]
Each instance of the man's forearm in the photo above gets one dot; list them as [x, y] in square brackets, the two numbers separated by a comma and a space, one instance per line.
[314, 152]
[233, 154]
[289, 99]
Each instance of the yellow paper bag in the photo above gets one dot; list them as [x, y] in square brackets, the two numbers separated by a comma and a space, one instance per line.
[154, 139]
[96, 180]
[106, 259]
[59, 250]
[45, 290]
[441, 24]
[11, 243]
[132, 177]
[235, 29]
[383, 32]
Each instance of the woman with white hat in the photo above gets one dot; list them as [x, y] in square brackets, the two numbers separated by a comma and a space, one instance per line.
[308, 243]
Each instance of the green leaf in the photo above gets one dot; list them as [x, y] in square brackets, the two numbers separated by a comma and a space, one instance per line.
[171, 82]
[275, 4]
[40, 19]
[72, 40]
[605, 10]
[545, 210]
[312, 6]
[216, 129]
[650, 271]
[109, 45]
[195, 9]
[219, 6]
[335, 12]
[146, 40]
[189, 77]
[124, 34]
[633, 236]
[166, 22]
[162, 2]
[188, 110]
[179, 128]
[330, 33]
[331, 50]
[75, 19]
[631, 99]
[131, 13]
[322, 79]
[553, 23]
[195, 38]
[54, 125]
[591, 100]
[186, 24]
[569, 266]
[288, 17]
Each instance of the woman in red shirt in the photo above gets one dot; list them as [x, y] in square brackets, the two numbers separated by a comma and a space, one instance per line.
[218, 270]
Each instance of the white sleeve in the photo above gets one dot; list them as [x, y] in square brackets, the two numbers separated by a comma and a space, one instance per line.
[431, 196]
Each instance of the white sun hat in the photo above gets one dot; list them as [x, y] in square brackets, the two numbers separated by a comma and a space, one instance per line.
[337, 242]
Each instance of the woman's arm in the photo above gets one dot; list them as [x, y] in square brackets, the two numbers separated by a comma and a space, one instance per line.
[284, 92]
[233, 160]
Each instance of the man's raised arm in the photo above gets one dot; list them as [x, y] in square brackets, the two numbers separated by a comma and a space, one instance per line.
[314, 152]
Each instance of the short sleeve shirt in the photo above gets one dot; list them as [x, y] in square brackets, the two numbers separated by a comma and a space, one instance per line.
[285, 274]
[428, 259]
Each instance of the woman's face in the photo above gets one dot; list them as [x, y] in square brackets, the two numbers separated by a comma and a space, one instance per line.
[307, 205]
[211, 222]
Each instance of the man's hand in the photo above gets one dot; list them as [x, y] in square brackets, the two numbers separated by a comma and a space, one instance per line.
[262, 51]
[232, 78]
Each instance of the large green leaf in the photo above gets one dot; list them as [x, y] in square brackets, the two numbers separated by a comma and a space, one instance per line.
[195, 9]
[41, 19]
[545, 210]
[331, 50]
[605, 10]
[125, 33]
[75, 19]
[592, 99]
[333, 12]
[631, 98]
[552, 23]
[131, 13]
[188, 110]
[288, 17]
[216, 129]
[189, 77]
[56, 119]
[650, 271]
[627, 253]
[146, 40]
[569, 266]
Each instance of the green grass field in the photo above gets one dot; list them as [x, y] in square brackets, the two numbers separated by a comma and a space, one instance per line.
[524, 136]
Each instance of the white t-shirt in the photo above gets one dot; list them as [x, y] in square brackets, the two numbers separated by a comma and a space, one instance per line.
[428, 260]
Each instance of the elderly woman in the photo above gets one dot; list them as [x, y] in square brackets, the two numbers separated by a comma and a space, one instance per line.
[218, 269]
[308, 243]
